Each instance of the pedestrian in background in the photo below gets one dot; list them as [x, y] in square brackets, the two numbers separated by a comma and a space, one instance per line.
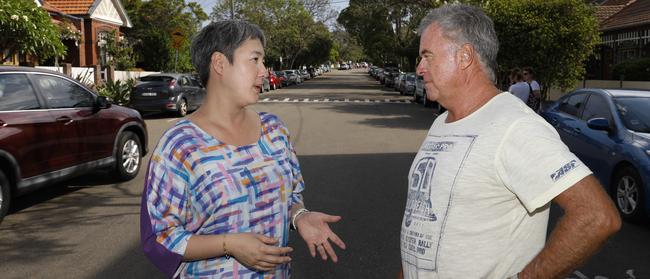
[534, 101]
[481, 184]
[519, 87]
[224, 185]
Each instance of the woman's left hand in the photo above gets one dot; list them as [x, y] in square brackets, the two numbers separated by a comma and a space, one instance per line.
[314, 229]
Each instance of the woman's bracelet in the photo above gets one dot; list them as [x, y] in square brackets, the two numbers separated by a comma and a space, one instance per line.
[225, 250]
[295, 216]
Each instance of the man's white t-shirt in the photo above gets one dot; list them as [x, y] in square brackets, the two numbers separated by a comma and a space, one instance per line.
[521, 90]
[479, 193]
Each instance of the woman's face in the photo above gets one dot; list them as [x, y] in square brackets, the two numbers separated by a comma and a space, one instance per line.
[245, 75]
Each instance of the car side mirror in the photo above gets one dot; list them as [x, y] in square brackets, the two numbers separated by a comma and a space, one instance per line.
[599, 124]
[102, 102]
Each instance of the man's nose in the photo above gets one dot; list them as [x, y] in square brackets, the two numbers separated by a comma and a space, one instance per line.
[420, 69]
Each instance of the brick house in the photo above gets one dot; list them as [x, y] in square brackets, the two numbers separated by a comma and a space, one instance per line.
[625, 34]
[93, 20]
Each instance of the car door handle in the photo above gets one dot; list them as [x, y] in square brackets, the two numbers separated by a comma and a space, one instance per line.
[3, 124]
[577, 130]
[65, 120]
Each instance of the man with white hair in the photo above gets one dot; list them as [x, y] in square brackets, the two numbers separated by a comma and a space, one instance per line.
[481, 184]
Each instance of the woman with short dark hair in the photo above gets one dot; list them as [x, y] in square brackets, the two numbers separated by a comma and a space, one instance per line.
[224, 185]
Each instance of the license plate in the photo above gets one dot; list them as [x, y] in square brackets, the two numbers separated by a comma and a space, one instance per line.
[149, 94]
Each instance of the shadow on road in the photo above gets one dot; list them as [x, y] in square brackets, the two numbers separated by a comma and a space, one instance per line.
[63, 188]
[405, 116]
[367, 190]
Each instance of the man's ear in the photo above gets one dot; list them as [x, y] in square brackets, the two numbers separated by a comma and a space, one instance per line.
[217, 60]
[467, 55]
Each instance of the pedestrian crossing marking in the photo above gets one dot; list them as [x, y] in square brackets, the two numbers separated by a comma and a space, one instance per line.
[328, 100]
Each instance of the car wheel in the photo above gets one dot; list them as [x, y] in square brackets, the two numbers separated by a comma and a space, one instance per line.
[415, 97]
[628, 194]
[273, 86]
[5, 195]
[182, 108]
[128, 156]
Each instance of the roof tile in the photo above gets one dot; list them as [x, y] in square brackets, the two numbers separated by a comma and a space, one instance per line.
[634, 14]
[73, 7]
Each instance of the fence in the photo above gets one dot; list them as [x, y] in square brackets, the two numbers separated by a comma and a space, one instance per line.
[87, 74]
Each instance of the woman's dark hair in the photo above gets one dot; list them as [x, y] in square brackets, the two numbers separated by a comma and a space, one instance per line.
[224, 37]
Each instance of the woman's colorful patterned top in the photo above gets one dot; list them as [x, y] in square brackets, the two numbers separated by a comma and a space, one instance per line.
[197, 184]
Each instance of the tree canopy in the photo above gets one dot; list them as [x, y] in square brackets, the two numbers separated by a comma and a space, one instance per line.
[153, 23]
[28, 29]
[386, 29]
[292, 32]
[554, 37]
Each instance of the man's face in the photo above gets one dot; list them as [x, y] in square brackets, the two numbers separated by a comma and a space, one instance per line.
[245, 76]
[438, 63]
[527, 76]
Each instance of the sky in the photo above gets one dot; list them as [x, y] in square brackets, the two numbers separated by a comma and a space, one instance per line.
[209, 4]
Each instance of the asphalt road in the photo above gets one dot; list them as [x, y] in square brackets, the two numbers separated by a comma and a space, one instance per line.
[355, 141]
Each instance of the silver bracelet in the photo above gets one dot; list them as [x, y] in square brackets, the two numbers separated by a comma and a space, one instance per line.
[295, 216]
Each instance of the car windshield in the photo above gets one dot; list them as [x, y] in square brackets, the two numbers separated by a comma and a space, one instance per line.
[635, 113]
[156, 78]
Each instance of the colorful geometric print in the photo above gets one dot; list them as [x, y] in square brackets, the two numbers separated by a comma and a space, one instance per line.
[197, 184]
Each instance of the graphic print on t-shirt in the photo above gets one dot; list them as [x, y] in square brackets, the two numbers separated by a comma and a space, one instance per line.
[431, 181]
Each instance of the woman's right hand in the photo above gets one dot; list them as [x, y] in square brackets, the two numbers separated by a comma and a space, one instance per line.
[258, 251]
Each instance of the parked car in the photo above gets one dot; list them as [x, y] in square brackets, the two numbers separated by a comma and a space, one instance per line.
[398, 81]
[420, 92]
[167, 92]
[379, 75]
[407, 86]
[390, 74]
[283, 78]
[304, 74]
[52, 128]
[274, 81]
[293, 76]
[609, 130]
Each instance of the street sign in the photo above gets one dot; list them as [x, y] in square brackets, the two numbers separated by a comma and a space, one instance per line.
[177, 38]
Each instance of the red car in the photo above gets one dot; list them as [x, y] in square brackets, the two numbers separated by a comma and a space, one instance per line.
[53, 128]
[274, 81]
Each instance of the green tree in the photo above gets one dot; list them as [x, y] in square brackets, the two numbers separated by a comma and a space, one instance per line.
[153, 23]
[291, 31]
[347, 47]
[555, 37]
[386, 29]
[28, 29]
[120, 52]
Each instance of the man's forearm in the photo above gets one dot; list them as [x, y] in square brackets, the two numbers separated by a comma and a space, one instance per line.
[590, 217]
